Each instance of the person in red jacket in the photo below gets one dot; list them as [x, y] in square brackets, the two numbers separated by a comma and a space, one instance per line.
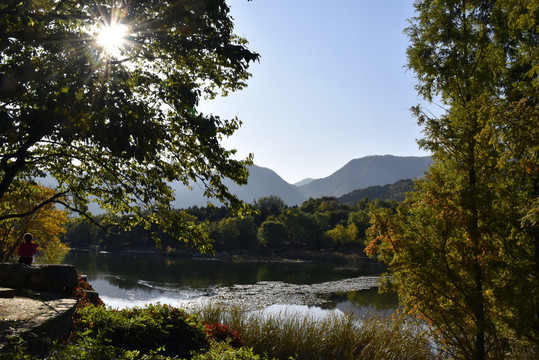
[27, 250]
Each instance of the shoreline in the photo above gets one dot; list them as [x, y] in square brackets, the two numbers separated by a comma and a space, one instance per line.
[288, 257]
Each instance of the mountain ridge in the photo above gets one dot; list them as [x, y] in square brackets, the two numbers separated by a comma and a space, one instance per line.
[262, 182]
[357, 174]
[360, 173]
[395, 191]
[368, 171]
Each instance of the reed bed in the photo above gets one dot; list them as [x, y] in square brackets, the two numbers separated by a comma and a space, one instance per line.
[334, 336]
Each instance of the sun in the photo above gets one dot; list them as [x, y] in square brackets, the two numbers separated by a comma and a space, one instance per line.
[112, 37]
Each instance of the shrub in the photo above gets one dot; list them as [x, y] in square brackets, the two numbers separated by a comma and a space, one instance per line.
[144, 329]
[222, 333]
[80, 294]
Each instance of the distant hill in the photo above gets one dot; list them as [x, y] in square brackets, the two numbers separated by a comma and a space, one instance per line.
[362, 173]
[367, 171]
[303, 182]
[395, 191]
[262, 182]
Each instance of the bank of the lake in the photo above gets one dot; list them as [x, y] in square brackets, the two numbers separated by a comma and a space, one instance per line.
[161, 332]
[229, 330]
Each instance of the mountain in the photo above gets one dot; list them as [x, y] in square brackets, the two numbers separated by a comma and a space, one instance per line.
[357, 174]
[303, 182]
[395, 191]
[367, 171]
[262, 182]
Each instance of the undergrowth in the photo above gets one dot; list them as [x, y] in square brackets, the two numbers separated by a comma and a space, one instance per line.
[219, 332]
[335, 336]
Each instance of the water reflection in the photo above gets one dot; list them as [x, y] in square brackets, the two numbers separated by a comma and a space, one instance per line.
[129, 270]
[126, 281]
[364, 302]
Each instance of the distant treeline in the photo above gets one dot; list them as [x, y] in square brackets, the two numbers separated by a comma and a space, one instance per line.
[395, 191]
[321, 223]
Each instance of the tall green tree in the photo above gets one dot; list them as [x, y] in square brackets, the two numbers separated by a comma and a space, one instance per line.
[272, 234]
[267, 206]
[117, 122]
[236, 233]
[462, 249]
[514, 133]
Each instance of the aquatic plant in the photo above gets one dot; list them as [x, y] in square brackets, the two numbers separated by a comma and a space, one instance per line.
[335, 336]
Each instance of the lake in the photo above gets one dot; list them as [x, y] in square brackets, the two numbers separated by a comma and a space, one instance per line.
[134, 280]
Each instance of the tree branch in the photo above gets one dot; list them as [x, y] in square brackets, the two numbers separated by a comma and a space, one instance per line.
[51, 200]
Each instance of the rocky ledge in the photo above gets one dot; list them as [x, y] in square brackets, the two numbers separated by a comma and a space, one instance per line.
[60, 279]
[36, 321]
[36, 303]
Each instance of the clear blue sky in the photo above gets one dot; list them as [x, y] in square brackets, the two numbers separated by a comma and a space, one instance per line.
[330, 86]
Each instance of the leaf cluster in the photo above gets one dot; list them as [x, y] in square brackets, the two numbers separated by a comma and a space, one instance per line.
[46, 222]
[462, 249]
[117, 129]
[160, 328]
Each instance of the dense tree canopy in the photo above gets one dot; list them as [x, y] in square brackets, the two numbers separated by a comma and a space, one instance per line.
[290, 230]
[463, 249]
[118, 123]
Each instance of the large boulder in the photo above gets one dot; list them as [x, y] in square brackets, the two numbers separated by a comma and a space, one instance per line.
[40, 277]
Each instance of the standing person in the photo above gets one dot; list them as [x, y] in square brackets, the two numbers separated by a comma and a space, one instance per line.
[27, 250]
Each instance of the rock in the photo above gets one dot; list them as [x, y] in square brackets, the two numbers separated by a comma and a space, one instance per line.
[45, 317]
[47, 277]
[7, 293]
[37, 322]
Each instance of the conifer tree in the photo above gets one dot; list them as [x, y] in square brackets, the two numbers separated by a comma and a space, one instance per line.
[462, 249]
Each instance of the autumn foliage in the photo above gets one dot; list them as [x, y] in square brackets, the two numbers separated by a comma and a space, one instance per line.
[463, 248]
[45, 223]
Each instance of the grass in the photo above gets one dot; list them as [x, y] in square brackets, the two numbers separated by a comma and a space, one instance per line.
[334, 336]
[222, 332]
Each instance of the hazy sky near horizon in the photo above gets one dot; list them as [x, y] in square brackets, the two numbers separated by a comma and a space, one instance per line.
[331, 85]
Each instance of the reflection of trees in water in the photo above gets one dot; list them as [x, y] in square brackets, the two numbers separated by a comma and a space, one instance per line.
[127, 271]
[369, 297]
[262, 273]
[126, 283]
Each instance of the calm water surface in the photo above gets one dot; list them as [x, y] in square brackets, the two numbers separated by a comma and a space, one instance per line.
[126, 281]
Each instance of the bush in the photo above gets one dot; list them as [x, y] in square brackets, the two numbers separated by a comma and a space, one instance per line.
[80, 294]
[152, 328]
[222, 333]
[222, 351]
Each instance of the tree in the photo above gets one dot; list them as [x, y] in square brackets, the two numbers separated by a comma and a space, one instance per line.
[272, 234]
[83, 233]
[118, 124]
[465, 243]
[361, 220]
[513, 128]
[341, 234]
[237, 233]
[46, 223]
[271, 205]
[303, 229]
